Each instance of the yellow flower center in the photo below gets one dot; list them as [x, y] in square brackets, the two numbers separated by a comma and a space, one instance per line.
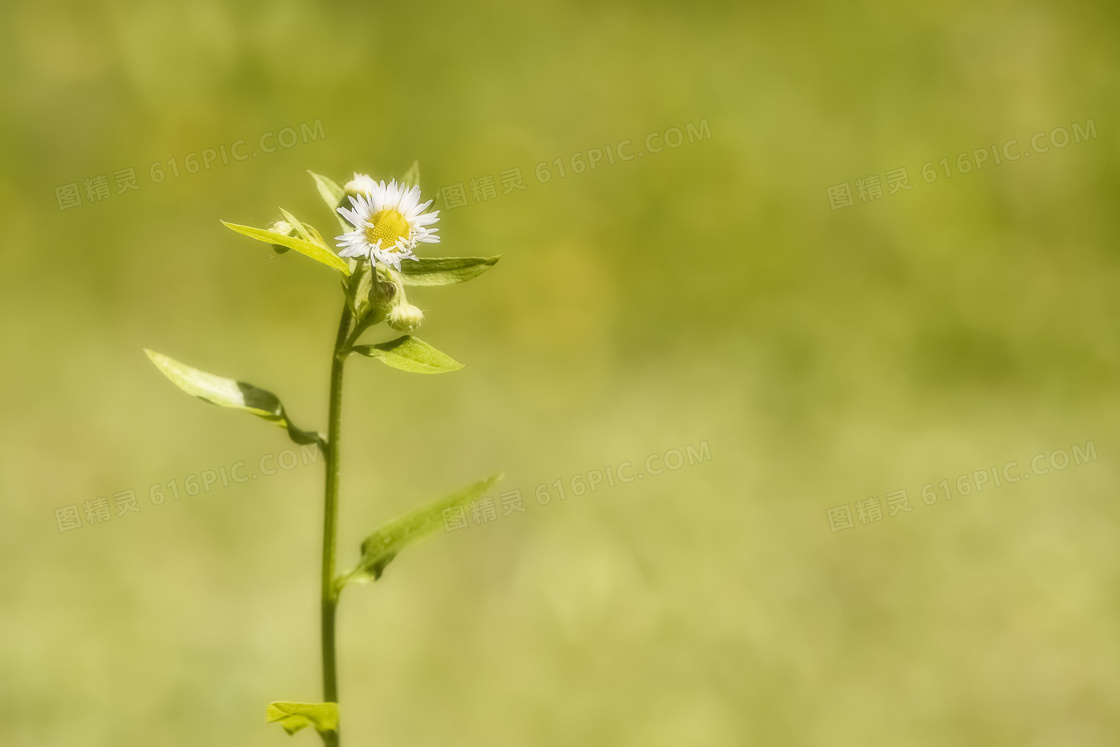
[388, 226]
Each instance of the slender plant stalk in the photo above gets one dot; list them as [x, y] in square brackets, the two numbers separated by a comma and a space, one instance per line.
[330, 519]
[374, 293]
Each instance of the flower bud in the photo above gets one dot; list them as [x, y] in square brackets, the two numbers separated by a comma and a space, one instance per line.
[360, 184]
[284, 228]
[405, 317]
[381, 293]
[376, 303]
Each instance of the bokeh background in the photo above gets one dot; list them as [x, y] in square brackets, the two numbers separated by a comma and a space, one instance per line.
[708, 293]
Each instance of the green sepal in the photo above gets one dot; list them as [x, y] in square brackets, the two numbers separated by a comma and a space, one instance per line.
[408, 353]
[432, 271]
[317, 252]
[233, 394]
[296, 716]
[381, 547]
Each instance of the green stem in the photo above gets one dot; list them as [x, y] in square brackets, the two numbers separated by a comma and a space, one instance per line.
[330, 519]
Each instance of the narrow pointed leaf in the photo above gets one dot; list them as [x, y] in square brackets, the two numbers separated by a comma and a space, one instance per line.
[329, 190]
[410, 354]
[230, 393]
[333, 195]
[315, 251]
[379, 549]
[296, 716]
[411, 177]
[445, 270]
[306, 231]
[357, 291]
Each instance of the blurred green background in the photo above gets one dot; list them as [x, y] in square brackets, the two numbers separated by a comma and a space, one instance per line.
[703, 293]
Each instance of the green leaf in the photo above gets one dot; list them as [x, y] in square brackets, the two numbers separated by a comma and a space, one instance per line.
[411, 177]
[306, 231]
[296, 716]
[230, 393]
[357, 291]
[445, 270]
[410, 354]
[315, 251]
[379, 549]
[333, 195]
[329, 190]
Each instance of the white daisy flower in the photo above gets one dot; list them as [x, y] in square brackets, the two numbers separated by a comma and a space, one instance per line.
[389, 221]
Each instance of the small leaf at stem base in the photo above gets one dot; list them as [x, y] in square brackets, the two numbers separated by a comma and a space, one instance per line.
[296, 716]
